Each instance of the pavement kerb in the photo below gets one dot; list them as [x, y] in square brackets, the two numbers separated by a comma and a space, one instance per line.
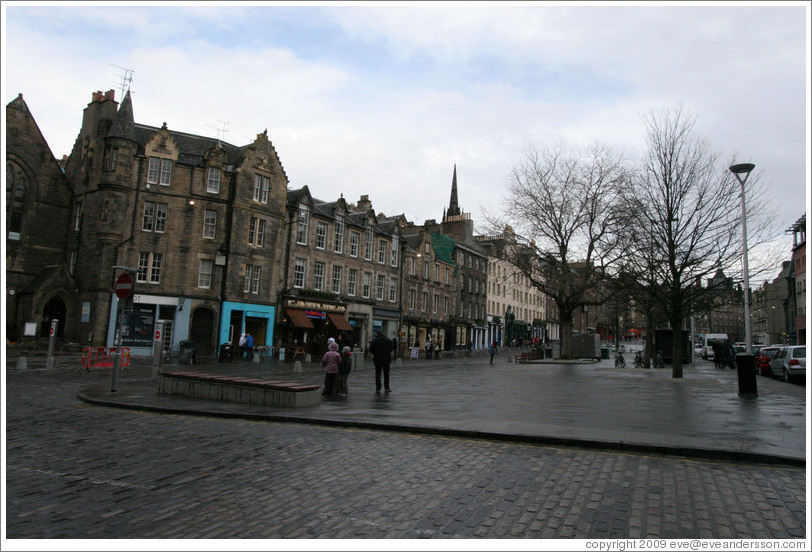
[609, 446]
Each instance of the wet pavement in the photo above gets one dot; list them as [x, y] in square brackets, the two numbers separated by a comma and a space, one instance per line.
[582, 403]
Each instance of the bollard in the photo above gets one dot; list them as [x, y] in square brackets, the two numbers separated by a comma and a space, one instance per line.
[297, 366]
[746, 367]
[22, 363]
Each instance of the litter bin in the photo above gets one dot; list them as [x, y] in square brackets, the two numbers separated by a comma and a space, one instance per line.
[187, 352]
[226, 352]
[746, 366]
[604, 353]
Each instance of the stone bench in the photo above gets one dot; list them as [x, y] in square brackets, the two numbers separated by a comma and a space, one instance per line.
[238, 389]
[530, 355]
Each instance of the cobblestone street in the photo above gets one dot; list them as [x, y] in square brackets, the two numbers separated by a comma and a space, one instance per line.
[84, 472]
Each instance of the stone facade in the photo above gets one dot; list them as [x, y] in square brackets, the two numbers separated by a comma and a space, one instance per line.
[39, 280]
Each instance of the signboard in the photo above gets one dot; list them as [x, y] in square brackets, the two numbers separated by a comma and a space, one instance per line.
[315, 305]
[124, 286]
[86, 311]
[318, 315]
[139, 324]
[30, 329]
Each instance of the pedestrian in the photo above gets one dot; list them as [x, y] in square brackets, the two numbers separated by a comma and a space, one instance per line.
[330, 362]
[249, 345]
[492, 350]
[242, 346]
[344, 370]
[381, 349]
[717, 354]
[437, 351]
[394, 346]
[428, 349]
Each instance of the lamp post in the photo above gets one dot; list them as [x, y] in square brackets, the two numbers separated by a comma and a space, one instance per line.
[741, 171]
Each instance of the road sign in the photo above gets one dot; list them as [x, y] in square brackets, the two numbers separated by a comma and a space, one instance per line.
[124, 286]
[157, 335]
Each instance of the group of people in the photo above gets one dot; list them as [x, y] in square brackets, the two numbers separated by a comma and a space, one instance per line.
[246, 346]
[723, 354]
[337, 366]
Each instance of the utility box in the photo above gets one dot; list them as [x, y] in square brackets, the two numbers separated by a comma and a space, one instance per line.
[586, 346]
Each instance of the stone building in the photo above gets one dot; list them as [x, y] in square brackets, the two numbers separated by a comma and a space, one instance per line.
[342, 274]
[198, 223]
[797, 283]
[769, 317]
[39, 276]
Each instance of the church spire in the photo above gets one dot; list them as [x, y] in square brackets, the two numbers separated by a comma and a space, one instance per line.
[453, 206]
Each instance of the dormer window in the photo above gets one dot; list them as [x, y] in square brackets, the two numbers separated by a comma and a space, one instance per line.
[213, 181]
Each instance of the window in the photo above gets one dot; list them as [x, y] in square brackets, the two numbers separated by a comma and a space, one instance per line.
[166, 172]
[382, 246]
[355, 238]
[160, 217]
[159, 171]
[148, 222]
[209, 223]
[425, 302]
[260, 241]
[261, 186]
[299, 273]
[337, 273]
[318, 276]
[77, 220]
[352, 280]
[304, 220]
[394, 258]
[72, 266]
[411, 299]
[111, 159]
[436, 304]
[368, 251]
[321, 235]
[149, 267]
[338, 244]
[447, 275]
[426, 270]
[412, 266]
[204, 274]
[393, 290]
[367, 284]
[252, 277]
[379, 288]
[446, 306]
[436, 272]
[213, 182]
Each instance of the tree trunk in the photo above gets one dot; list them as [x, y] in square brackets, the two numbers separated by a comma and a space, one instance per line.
[566, 336]
[676, 337]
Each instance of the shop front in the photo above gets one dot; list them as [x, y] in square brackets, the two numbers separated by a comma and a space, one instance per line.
[135, 323]
[306, 325]
[239, 318]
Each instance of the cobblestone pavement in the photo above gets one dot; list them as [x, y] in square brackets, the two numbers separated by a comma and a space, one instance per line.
[80, 471]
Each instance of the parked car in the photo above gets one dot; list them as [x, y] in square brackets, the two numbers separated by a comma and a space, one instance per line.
[765, 355]
[789, 362]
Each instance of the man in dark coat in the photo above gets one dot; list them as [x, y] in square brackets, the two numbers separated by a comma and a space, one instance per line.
[381, 349]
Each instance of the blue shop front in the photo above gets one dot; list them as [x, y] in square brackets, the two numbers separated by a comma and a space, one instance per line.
[239, 318]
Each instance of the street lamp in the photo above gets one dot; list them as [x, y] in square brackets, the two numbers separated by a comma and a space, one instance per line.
[741, 171]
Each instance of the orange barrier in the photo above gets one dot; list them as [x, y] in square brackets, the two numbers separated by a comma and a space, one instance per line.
[102, 357]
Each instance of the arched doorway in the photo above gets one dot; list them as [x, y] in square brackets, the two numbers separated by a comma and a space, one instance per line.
[54, 309]
[202, 331]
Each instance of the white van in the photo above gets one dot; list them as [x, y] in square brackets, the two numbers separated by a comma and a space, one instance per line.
[708, 342]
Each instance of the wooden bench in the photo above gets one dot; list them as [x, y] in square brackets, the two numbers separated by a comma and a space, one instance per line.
[238, 389]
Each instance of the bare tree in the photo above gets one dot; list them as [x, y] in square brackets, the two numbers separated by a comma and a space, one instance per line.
[563, 204]
[686, 219]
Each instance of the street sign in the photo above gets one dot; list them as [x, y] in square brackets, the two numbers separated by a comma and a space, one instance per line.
[157, 335]
[124, 286]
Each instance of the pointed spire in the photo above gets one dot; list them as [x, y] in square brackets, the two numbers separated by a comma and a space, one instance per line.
[124, 124]
[453, 206]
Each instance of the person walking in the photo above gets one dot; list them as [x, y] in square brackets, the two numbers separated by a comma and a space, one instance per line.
[381, 349]
[330, 362]
[344, 369]
[492, 350]
[428, 349]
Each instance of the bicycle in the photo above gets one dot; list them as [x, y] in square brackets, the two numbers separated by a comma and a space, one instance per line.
[620, 362]
[638, 360]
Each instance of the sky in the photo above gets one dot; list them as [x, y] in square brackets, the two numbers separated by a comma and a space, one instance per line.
[385, 99]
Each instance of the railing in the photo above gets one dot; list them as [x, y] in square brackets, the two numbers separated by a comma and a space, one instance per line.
[102, 357]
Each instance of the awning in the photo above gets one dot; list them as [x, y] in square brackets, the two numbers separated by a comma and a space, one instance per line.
[339, 322]
[298, 318]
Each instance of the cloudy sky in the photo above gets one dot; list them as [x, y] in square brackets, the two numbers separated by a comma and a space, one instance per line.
[384, 99]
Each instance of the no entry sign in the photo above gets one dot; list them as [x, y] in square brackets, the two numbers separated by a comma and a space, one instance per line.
[124, 286]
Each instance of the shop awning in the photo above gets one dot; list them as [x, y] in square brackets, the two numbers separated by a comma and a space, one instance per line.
[339, 322]
[298, 318]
